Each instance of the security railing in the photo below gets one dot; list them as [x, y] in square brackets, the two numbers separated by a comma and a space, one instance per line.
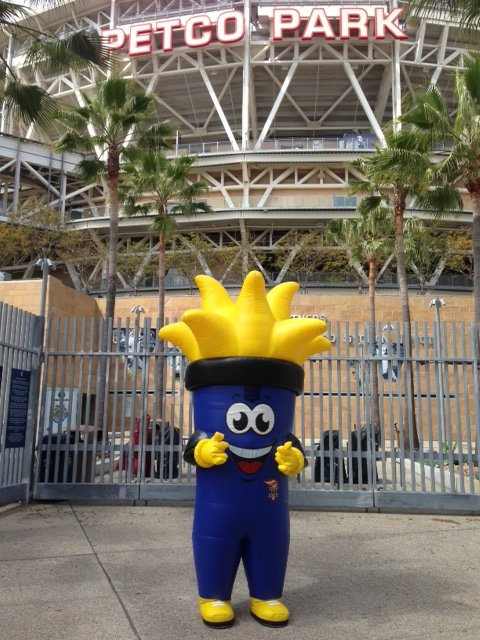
[347, 142]
[121, 437]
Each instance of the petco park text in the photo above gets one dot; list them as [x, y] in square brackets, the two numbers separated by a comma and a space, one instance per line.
[227, 27]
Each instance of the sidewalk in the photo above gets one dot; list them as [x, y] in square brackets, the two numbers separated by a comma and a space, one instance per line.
[83, 572]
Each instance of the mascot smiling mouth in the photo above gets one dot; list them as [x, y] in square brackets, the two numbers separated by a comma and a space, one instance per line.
[249, 461]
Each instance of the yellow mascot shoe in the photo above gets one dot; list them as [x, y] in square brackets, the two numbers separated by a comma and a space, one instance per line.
[271, 613]
[216, 613]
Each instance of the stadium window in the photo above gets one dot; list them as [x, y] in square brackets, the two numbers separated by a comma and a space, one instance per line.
[345, 202]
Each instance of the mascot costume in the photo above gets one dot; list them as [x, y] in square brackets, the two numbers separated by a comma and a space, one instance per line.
[244, 374]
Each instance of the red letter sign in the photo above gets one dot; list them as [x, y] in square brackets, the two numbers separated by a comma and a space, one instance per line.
[140, 39]
[167, 26]
[234, 18]
[284, 20]
[204, 27]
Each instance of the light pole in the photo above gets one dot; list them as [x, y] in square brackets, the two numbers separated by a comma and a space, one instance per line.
[45, 265]
[438, 303]
[133, 344]
[137, 310]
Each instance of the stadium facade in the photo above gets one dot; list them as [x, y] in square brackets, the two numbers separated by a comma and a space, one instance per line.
[275, 101]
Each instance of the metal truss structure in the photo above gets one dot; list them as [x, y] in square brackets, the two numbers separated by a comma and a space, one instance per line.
[274, 124]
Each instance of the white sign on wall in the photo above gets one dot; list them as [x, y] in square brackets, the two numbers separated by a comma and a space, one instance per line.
[61, 407]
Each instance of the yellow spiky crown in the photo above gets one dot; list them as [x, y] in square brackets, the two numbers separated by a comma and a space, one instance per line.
[256, 325]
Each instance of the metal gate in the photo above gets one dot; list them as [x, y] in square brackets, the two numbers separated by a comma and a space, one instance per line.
[106, 432]
[19, 365]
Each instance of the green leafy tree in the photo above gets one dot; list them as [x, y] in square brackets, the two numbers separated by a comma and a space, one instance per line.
[42, 230]
[83, 255]
[367, 239]
[299, 254]
[190, 255]
[398, 172]
[135, 263]
[103, 127]
[425, 248]
[82, 49]
[431, 115]
[459, 253]
[33, 233]
[14, 248]
[467, 12]
[195, 253]
[153, 184]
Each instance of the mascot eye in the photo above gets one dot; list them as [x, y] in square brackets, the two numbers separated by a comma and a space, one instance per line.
[238, 418]
[264, 419]
[241, 422]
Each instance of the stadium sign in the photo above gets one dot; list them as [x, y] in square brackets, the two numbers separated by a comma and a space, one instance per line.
[228, 27]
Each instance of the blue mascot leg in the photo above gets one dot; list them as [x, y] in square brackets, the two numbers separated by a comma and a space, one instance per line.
[265, 564]
[216, 564]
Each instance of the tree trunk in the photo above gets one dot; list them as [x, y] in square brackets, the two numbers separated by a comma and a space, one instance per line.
[372, 273]
[476, 255]
[112, 246]
[476, 268]
[113, 173]
[162, 245]
[410, 435]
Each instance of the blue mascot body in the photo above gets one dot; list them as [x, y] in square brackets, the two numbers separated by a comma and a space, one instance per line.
[244, 375]
[241, 510]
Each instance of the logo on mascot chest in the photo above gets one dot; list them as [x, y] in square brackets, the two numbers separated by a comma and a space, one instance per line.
[272, 486]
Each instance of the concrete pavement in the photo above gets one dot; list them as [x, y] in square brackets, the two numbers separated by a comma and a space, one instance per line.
[95, 572]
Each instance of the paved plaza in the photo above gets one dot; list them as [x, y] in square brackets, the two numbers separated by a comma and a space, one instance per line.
[95, 572]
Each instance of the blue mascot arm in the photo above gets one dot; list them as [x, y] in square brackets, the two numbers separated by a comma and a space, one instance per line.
[189, 453]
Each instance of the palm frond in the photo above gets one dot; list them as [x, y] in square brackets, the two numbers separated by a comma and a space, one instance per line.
[441, 200]
[75, 119]
[191, 207]
[358, 187]
[114, 92]
[370, 203]
[157, 137]
[131, 209]
[194, 190]
[10, 15]
[471, 78]
[90, 169]
[73, 141]
[428, 112]
[74, 51]
[467, 12]
[164, 225]
[29, 103]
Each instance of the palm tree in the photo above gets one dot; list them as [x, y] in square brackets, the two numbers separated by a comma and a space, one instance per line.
[431, 115]
[82, 49]
[103, 127]
[397, 172]
[154, 184]
[367, 239]
[467, 12]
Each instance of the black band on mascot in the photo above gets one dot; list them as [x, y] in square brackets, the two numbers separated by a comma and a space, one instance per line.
[249, 371]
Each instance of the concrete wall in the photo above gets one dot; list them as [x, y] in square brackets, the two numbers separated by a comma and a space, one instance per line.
[335, 306]
[62, 302]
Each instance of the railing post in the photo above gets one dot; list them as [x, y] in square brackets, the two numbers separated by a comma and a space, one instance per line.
[31, 438]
